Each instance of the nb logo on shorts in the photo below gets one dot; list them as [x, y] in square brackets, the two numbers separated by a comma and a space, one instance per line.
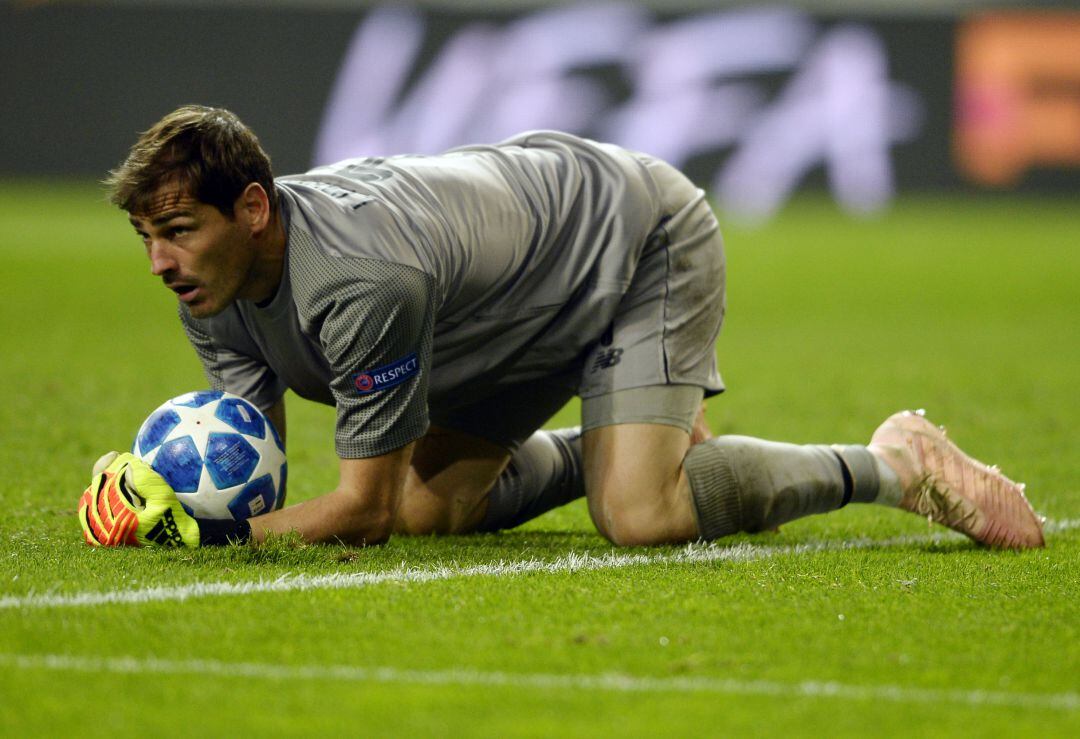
[607, 359]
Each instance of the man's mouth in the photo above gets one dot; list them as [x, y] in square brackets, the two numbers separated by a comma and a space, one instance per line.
[186, 293]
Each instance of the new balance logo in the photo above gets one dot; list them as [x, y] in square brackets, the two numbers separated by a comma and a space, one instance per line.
[165, 532]
[607, 359]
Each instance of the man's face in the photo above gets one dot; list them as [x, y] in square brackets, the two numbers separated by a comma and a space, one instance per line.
[199, 253]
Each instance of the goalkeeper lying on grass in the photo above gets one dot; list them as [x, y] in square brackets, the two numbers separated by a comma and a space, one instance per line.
[447, 306]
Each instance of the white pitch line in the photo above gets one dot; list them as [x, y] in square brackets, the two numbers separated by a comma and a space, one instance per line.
[614, 682]
[691, 554]
[290, 583]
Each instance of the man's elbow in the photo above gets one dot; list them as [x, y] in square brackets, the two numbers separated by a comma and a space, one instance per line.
[367, 525]
[367, 497]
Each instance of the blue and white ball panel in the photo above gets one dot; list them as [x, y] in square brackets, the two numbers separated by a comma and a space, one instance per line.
[214, 467]
[179, 462]
[220, 502]
[197, 399]
[242, 416]
[156, 428]
[255, 498]
[230, 459]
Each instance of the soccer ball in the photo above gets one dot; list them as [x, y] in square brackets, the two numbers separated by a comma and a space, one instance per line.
[220, 454]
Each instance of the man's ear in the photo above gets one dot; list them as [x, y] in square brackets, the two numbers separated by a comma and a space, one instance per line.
[254, 206]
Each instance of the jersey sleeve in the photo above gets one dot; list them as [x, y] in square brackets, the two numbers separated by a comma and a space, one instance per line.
[375, 321]
[231, 370]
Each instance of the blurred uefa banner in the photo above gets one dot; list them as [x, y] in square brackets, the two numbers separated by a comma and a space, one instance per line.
[860, 98]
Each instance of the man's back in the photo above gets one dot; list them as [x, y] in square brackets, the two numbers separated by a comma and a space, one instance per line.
[537, 211]
[492, 265]
[521, 240]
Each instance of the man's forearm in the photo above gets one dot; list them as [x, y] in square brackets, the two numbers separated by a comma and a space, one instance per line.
[360, 512]
[336, 516]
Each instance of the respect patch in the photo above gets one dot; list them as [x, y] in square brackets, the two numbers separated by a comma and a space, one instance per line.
[387, 376]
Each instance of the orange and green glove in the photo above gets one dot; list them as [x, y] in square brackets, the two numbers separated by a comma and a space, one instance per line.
[129, 504]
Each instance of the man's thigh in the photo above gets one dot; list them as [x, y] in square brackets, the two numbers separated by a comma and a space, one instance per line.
[457, 462]
[666, 325]
[448, 481]
[633, 453]
[643, 384]
[636, 490]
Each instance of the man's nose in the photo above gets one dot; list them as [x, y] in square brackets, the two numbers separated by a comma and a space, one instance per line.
[161, 260]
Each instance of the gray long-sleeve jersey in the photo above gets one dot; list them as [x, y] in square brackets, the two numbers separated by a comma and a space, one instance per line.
[420, 282]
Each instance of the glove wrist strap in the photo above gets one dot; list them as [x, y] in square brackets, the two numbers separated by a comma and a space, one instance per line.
[221, 532]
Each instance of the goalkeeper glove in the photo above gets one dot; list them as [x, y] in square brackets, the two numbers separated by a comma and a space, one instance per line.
[128, 503]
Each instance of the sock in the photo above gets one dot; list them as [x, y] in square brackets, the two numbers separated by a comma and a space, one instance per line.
[889, 491]
[544, 473]
[743, 484]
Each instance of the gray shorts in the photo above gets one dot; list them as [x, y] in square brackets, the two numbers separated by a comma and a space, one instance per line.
[657, 359]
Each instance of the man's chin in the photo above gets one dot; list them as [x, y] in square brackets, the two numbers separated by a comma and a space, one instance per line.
[203, 308]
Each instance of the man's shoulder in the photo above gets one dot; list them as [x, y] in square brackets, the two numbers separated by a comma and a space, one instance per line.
[329, 219]
[322, 274]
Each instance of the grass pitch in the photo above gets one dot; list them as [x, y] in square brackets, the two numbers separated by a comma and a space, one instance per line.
[860, 621]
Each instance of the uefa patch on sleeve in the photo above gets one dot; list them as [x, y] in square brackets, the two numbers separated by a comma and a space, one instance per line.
[387, 376]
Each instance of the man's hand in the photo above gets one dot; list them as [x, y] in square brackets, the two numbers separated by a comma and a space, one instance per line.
[128, 503]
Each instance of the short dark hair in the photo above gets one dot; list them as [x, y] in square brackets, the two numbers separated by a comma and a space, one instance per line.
[208, 152]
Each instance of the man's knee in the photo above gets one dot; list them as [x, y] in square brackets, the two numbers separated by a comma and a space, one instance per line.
[626, 520]
[636, 491]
